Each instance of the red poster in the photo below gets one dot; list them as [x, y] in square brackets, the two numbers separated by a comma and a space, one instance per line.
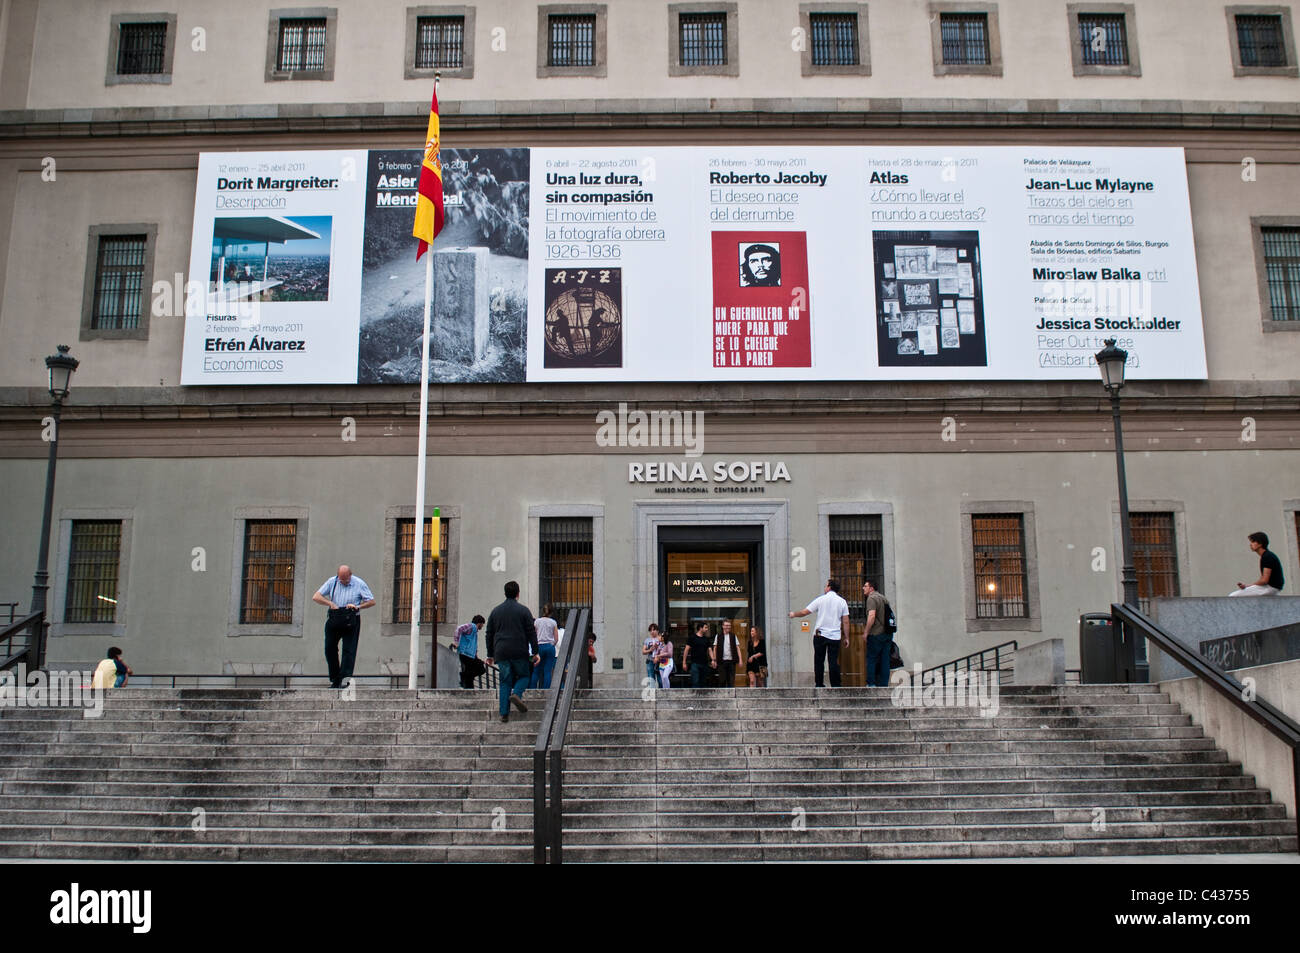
[760, 300]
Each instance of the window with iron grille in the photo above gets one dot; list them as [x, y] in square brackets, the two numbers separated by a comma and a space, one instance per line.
[1001, 582]
[1260, 40]
[857, 554]
[1282, 270]
[566, 563]
[440, 43]
[1155, 556]
[573, 40]
[1103, 39]
[302, 45]
[703, 39]
[93, 561]
[270, 551]
[141, 48]
[834, 39]
[965, 38]
[119, 282]
[404, 577]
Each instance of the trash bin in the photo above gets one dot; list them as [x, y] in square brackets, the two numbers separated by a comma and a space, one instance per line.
[1098, 649]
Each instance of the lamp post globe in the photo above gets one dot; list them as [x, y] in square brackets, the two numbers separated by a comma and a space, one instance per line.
[60, 367]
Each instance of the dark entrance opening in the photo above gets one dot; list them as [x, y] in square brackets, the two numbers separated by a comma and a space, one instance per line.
[710, 574]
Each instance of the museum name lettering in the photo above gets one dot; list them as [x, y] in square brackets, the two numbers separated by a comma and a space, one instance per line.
[1083, 185]
[738, 471]
[258, 343]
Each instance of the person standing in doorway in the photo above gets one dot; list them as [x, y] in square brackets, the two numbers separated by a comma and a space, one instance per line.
[547, 639]
[345, 595]
[512, 645]
[664, 661]
[467, 648]
[756, 658]
[879, 641]
[650, 652]
[726, 652]
[1270, 581]
[698, 659]
[832, 619]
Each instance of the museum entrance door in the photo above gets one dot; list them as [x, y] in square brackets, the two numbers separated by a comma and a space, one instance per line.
[710, 574]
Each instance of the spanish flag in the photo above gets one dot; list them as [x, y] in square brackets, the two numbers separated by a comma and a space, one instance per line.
[428, 204]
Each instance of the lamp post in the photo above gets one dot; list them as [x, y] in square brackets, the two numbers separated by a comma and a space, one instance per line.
[60, 367]
[1111, 360]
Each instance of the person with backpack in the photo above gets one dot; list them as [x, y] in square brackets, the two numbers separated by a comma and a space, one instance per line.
[879, 629]
[467, 648]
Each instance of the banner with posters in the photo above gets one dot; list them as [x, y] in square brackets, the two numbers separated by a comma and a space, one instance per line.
[696, 264]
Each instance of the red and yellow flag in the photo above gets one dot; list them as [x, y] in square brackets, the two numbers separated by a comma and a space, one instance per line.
[428, 204]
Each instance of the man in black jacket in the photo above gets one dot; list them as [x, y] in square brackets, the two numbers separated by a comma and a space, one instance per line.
[512, 644]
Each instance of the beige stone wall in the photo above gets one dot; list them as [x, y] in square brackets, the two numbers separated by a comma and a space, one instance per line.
[1183, 44]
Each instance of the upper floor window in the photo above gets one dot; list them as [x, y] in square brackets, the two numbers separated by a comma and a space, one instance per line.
[93, 559]
[141, 48]
[1103, 38]
[572, 41]
[703, 39]
[1262, 41]
[119, 282]
[1282, 269]
[834, 39]
[964, 39]
[300, 44]
[440, 43]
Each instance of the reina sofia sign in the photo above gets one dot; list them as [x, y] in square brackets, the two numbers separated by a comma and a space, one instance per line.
[739, 471]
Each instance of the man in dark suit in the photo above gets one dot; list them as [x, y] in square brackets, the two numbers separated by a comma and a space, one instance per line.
[726, 651]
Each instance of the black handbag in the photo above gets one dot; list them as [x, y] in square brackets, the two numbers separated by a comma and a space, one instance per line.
[340, 618]
[895, 659]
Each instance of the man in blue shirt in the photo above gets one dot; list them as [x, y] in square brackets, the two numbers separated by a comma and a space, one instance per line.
[345, 595]
[467, 647]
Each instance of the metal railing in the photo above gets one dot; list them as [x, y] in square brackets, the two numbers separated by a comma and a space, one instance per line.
[1001, 657]
[548, 753]
[29, 651]
[1273, 720]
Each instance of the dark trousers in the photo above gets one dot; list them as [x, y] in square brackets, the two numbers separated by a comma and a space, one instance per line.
[726, 673]
[348, 634]
[699, 675]
[878, 659]
[470, 669]
[826, 650]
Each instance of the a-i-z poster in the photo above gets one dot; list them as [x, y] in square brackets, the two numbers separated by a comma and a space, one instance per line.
[694, 264]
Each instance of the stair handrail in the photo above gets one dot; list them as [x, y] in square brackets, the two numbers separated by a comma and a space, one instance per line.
[29, 653]
[956, 663]
[548, 751]
[1271, 718]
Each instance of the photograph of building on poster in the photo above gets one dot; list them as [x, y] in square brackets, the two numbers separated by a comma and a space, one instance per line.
[271, 258]
[929, 299]
[480, 270]
[760, 300]
[584, 317]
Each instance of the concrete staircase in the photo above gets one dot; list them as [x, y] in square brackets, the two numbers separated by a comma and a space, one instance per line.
[711, 775]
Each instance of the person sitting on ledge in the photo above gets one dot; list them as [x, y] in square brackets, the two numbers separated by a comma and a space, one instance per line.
[1270, 581]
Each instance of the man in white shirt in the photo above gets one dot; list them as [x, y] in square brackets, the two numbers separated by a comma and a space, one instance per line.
[832, 620]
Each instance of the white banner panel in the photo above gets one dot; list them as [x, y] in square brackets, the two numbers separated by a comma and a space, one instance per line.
[698, 264]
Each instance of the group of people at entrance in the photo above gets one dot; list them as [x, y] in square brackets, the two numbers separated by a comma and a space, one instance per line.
[706, 656]
[832, 626]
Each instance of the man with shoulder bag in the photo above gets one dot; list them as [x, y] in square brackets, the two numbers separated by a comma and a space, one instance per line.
[345, 595]
[879, 629]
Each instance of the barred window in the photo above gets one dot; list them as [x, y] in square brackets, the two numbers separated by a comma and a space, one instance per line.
[440, 43]
[834, 39]
[404, 566]
[566, 560]
[1154, 556]
[573, 40]
[1103, 38]
[703, 39]
[1001, 583]
[141, 48]
[119, 282]
[857, 554]
[93, 562]
[1282, 270]
[270, 552]
[1259, 40]
[965, 38]
[302, 45]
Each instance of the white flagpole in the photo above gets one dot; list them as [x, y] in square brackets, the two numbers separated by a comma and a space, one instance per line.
[417, 583]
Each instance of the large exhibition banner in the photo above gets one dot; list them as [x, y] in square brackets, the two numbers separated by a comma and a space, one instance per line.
[696, 264]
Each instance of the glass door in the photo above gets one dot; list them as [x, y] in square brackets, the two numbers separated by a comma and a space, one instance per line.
[708, 587]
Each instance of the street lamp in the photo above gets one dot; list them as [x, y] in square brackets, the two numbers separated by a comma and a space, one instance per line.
[1111, 361]
[60, 367]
